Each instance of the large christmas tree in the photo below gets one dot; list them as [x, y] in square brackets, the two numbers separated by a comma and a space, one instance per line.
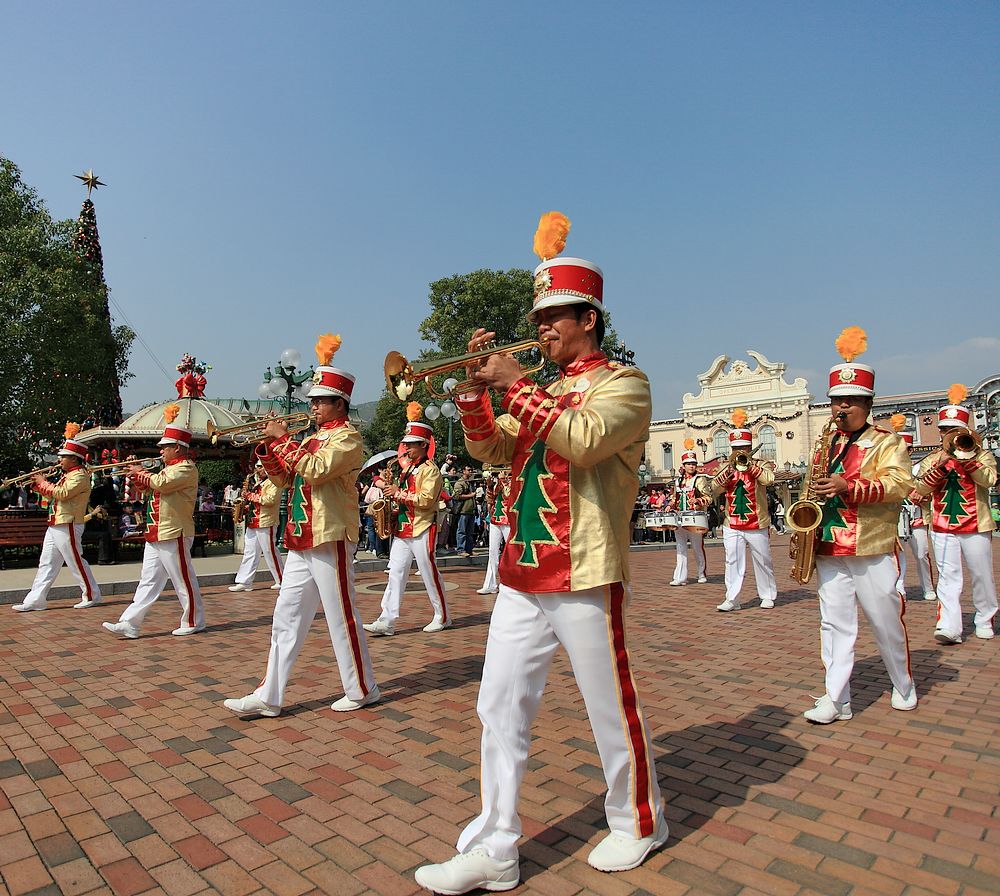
[87, 244]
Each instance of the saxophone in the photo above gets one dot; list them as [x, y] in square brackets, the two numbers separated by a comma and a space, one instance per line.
[239, 505]
[384, 511]
[805, 515]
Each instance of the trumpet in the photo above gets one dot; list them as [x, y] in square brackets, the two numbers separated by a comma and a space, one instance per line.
[961, 443]
[249, 433]
[149, 464]
[25, 477]
[401, 376]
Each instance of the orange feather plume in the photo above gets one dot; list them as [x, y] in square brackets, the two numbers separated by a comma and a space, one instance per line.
[550, 237]
[71, 430]
[170, 412]
[739, 417]
[852, 342]
[689, 444]
[957, 393]
[326, 348]
[897, 421]
[414, 411]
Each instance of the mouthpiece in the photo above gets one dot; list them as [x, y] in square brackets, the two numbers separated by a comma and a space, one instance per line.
[842, 415]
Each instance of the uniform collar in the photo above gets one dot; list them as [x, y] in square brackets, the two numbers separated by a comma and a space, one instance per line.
[333, 424]
[582, 365]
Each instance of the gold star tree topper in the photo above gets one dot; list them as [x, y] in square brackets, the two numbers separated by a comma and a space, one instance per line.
[91, 180]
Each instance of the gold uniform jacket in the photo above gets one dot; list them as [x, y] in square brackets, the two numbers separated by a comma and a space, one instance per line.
[323, 501]
[574, 448]
[262, 503]
[420, 491]
[69, 497]
[170, 509]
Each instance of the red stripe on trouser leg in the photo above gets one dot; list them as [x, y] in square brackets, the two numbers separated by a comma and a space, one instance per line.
[347, 607]
[431, 544]
[636, 729]
[79, 562]
[186, 573]
[274, 554]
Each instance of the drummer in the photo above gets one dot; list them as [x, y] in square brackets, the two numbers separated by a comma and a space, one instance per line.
[692, 495]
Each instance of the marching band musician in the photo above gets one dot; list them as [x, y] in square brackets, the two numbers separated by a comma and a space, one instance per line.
[957, 484]
[497, 498]
[862, 488]
[913, 529]
[748, 524]
[574, 447]
[320, 536]
[692, 492]
[416, 497]
[68, 506]
[260, 508]
[169, 534]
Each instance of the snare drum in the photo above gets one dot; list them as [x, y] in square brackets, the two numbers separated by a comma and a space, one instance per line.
[658, 521]
[694, 521]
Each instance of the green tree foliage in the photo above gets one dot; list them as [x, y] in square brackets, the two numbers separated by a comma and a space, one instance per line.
[495, 300]
[218, 474]
[53, 328]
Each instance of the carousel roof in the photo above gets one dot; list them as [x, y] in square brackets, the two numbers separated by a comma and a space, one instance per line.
[195, 413]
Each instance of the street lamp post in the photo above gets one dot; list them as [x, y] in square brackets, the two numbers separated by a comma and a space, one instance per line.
[286, 382]
[447, 408]
[623, 355]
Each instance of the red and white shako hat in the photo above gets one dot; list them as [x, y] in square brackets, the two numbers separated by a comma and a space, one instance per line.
[416, 431]
[851, 378]
[740, 437]
[71, 447]
[953, 414]
[330, 380]
[172, 433]
[562, 281]
[689, 457]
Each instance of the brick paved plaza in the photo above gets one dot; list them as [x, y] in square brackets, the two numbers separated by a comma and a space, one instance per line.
[122, 773]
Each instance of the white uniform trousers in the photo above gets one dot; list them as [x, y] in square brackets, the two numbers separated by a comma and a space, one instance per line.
[498, 535]
[697, 541]
[257, 542]
[976, 548]
[845, 582]
[736, 542]
[324, 574]
[919, 547]
[525, 632]
[163, 560]
[402, 553]
[62, 545]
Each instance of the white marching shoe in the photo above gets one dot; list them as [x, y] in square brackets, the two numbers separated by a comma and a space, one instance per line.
[378, 627]
[436, 625]
[728, 605]
[239, 587]
[903, 701]
[251, 706]
[702, 580]
[87, 603]
[827, 710]
[619, 853]
[188, 630]
[766, 603]
[943, 637]
[474, 870]
[276, 586]
[486, 591]
[985, 631]
[346, 704]
[125, 629]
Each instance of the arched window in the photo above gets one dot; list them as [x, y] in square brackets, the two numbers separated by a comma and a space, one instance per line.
[720, 443]
[768, 443]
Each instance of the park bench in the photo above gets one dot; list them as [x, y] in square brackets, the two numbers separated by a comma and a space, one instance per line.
[21, 531]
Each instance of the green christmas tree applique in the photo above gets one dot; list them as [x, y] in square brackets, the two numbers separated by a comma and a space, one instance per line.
[149, 513]
[298, 503]
[402, 517]
[953, 506]
[531, 505]
[741, 502]
[832, 516]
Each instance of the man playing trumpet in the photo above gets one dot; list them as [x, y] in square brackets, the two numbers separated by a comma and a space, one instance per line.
[748, 525]
[67, 509]
[574, 447]
[260, 509]
[957, 480]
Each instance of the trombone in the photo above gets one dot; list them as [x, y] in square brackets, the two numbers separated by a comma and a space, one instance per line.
[149, 464]
[401, 376]
[24, 477]
[253, 431]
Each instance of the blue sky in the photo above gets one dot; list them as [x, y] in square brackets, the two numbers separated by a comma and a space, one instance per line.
[748, 175]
